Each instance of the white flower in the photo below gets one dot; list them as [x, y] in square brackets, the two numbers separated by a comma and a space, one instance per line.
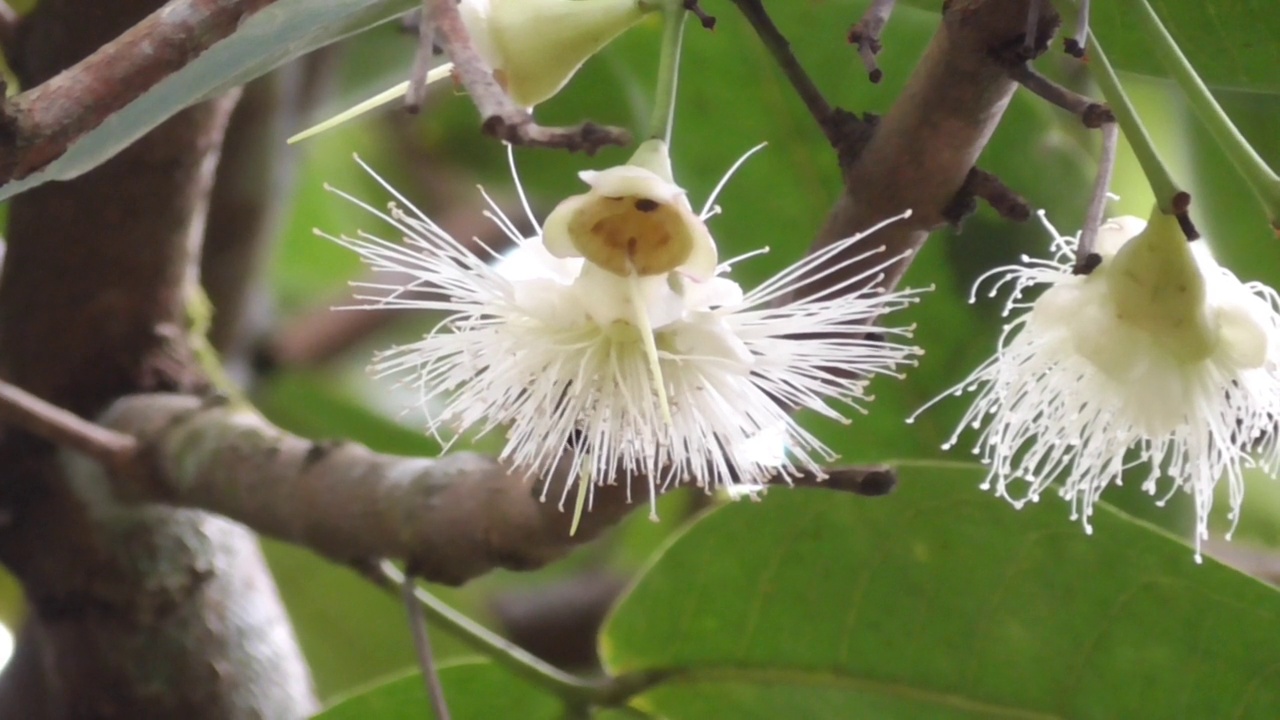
[1159, 356]
[577, 361]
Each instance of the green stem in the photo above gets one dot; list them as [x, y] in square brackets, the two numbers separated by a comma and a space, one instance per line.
[1162, 182]
[664, 100]
[573, 689]
[1260, 176]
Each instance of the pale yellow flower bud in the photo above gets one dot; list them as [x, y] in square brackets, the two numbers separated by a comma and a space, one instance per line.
[535, 46]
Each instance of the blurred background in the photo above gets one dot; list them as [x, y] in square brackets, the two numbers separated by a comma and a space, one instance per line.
[305, 362]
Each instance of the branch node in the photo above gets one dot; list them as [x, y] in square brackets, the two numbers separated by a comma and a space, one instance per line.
[708, 22]
[1032, 42]
[849, 133]
[1096, 115]
[982, 184]
[1074, 46]
[1182, 211]
[1092, 114]
[1087, 264]
[587, 137]
[866, 35]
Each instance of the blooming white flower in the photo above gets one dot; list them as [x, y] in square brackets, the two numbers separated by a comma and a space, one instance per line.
[1159, 356]
[577, 357]
[533, 46]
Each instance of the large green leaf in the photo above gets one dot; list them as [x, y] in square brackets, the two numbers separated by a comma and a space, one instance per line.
[1231, 43]
[280, 32]
[941, 601]
[474, 691]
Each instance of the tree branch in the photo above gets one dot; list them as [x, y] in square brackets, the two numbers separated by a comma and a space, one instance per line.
[62, 427]
[92, 307]
[778, 46]
[924, 147]
[9, 19]
[37, 126]
[500, 116]
[450, 519]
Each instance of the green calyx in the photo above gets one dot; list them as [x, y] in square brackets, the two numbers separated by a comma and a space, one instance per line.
[1157, 286]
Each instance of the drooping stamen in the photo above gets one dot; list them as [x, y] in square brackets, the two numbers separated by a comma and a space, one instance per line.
[580, 503]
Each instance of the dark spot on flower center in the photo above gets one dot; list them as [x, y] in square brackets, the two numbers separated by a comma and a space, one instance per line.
[646, 205]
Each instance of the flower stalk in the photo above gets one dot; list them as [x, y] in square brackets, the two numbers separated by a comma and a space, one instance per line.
[664, 98]
[1166, 189]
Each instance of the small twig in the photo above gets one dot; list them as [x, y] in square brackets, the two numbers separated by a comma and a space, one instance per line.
[866, 35]
[982, 184]
[422, 645]
[781, 51]
[421, 59]
[1086, 259]
[1033, 29]
[1075, 46]
[1093, 114]
[19, 408]
[501, 117]
[501, 651]
[708, 22]
[1182, 211]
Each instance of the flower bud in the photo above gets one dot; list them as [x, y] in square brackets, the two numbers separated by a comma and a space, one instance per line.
[535, 46]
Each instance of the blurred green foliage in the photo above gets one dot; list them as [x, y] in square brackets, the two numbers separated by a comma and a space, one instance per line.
[733, 97]
[937, 602]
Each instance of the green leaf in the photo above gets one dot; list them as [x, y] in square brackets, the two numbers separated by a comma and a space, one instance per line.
[941, 601]
[351, 631]
[279, 32]
[476, 690]
[1230, 44]
[310, 404]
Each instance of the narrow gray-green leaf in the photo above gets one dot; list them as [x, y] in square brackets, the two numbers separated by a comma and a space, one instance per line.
[280, 32]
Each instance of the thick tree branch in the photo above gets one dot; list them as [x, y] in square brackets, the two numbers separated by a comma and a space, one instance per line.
[37, 126]
[450, 519]
[135, 611]
[923, 148]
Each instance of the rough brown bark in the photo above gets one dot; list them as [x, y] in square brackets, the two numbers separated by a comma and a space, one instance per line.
[923, 148]
[37, 126]
[136, 613]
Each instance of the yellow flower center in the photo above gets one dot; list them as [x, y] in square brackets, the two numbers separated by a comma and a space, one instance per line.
[632, 235]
